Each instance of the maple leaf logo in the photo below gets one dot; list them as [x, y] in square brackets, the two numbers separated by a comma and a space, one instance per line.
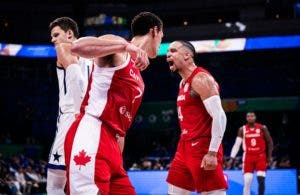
[81, 159]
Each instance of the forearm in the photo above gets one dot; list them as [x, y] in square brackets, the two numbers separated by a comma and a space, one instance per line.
[269, 149]
[90, 47]
[219, 120]
[236, 147]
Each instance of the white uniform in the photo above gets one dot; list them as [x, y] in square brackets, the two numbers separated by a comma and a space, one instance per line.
[72, 84]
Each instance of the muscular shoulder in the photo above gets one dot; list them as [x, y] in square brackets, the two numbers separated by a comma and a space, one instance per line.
[111, 37]
[205, 85]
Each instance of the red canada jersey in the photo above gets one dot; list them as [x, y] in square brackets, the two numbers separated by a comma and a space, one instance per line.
[114, 95]
[193, 118]
[253, 139]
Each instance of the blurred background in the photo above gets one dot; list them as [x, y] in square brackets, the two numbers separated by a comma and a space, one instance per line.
[265, 79]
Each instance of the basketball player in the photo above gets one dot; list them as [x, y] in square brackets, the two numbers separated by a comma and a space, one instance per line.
[115, 90]
[197, 165]
[255, 138]
[72, 74]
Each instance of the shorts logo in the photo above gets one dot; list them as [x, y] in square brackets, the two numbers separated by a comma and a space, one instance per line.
[194, 143]
[81, 159]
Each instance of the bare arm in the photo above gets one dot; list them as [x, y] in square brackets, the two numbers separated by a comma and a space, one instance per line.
[269, 142]
[206, 87]
[64, 55]
[91, 47]
[75, 82]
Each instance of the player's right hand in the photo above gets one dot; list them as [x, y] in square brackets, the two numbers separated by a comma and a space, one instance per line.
[64, 55]
[141, 57]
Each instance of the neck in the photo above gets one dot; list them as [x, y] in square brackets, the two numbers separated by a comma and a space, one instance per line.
[140, 41]
[251, 124]
[186, 72]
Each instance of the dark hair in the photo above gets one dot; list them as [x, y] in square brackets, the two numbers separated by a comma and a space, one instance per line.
[251, 111]
[142, 23]
[65, 23]
[189, 46]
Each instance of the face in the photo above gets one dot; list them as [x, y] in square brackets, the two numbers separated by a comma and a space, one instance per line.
[251, 117]
[176, 56]
[59, 36]
[156, 41]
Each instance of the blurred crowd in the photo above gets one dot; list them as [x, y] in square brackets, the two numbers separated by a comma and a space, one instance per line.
[20, 175]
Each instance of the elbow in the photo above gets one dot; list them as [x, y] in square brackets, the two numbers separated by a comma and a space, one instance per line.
[75, 48]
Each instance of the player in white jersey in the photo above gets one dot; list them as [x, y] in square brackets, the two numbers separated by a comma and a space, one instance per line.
[72, 74]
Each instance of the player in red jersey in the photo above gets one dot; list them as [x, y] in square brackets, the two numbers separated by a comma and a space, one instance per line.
[197, 164]
[258, 147]
[114, 93]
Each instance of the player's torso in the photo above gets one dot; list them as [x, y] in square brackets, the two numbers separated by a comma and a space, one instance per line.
[193, 118]
[66, 101]
[114, 95]
[254, 142]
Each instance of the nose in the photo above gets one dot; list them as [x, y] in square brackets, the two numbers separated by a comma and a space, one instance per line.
[53, 40]
[168, 55]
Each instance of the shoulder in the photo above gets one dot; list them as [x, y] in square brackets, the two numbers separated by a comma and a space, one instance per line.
[111, 37]
[203, 78]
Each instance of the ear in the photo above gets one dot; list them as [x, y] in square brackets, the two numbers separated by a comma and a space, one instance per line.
[153, 31]
[70, 34]
[186, 56]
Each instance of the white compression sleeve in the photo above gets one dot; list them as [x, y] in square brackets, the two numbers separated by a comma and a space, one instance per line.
[236, 147]
[214, 108]
[76, 84]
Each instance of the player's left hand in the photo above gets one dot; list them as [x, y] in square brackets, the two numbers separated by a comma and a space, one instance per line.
[209, 161]
[269, 161]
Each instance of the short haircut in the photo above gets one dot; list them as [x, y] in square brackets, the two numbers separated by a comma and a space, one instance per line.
[189, 46]
[251, 111]
[65, 23]
[142, 23]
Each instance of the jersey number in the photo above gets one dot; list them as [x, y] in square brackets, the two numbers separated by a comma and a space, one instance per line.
[253, 142]
[180, 116]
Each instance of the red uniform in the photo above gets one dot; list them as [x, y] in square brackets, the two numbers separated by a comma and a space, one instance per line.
[195, 123]
[93, 157]
[254, 149]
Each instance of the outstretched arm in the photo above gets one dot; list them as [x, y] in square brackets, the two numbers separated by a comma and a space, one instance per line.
[207, 88]
[92, 47]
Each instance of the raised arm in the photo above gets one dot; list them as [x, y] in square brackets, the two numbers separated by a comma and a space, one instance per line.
[93, 47]
[207, 88]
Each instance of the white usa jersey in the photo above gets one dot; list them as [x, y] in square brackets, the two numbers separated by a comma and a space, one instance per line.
[69, 97]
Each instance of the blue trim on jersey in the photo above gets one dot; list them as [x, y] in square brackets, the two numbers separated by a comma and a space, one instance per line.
[61, 68]
[52, 166]
[88, 72]
[65, 85]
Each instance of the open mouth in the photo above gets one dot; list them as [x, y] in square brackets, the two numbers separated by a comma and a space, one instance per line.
[170, 62]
